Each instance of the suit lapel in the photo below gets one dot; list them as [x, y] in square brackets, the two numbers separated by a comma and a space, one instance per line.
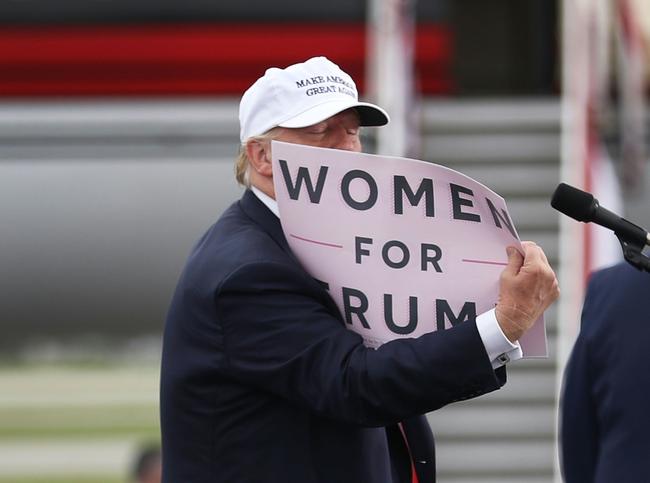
[253, 207]
[260, 214]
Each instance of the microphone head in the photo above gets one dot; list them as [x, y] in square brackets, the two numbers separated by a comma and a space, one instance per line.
[573, 202]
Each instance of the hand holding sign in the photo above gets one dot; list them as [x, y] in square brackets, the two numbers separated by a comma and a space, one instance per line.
[527, 287]
[406, 247]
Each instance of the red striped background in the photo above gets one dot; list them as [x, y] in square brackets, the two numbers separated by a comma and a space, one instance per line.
[190, 59]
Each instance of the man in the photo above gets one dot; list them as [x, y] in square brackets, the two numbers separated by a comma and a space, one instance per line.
[261, 381]
[605, 425]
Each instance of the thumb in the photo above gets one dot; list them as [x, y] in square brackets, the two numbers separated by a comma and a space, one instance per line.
[515, 261]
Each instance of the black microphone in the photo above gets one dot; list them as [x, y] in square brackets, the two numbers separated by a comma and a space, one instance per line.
[582, 206]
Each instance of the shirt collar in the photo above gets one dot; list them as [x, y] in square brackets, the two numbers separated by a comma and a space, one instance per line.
[270, 203]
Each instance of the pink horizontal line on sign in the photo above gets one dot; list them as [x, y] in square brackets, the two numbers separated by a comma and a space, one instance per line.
[315, 241]
[486, 262]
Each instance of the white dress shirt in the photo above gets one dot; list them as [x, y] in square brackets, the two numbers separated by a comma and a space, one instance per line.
[499, 349]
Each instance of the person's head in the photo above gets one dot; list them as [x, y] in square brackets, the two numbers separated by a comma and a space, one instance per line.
[313, 103]
[147, 467]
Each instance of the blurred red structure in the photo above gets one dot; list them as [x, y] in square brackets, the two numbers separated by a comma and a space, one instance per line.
[191, 59]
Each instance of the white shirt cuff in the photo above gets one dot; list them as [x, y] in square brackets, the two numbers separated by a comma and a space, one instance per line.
[499, 349]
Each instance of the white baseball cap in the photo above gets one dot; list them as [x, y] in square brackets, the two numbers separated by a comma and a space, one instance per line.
[302, 95]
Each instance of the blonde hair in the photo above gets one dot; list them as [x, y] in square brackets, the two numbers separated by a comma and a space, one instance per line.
[242, 163]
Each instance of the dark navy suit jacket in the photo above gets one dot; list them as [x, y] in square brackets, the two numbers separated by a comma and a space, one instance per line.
[262, 382]
[606, 401]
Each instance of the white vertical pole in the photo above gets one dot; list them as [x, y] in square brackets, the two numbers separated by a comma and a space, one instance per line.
[571, 171]
[631, 84]
[391, 25]
[575, 87]
[584, 22]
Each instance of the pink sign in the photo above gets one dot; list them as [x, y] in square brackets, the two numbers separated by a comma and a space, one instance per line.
[405, 247]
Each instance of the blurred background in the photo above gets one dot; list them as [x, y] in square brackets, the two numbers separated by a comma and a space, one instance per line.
[118, 131]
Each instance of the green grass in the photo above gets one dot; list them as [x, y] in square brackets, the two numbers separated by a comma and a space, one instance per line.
[140, 421]
[55, 405]
[66, 479]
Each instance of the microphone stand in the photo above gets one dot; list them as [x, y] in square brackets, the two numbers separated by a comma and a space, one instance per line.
[633, 253]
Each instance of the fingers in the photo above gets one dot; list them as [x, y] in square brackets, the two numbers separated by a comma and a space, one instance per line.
[534, 247]
[515, 261]
[533, 254]
[543, 256]
[528, 286]
[536, 266]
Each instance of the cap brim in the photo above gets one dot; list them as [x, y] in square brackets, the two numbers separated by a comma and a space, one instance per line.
[369, 114]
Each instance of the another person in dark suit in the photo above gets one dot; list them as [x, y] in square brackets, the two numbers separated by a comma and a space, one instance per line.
[605, 427]
[261, 381]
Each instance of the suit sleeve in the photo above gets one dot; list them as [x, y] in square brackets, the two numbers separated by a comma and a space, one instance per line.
[579, 424]
[280, 338]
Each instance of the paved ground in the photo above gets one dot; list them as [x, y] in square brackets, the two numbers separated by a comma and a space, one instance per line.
[75, 424]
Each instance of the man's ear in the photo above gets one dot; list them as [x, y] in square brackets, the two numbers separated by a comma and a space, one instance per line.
[259, 156]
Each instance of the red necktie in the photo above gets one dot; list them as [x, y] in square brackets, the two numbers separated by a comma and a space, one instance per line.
[414, 476]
